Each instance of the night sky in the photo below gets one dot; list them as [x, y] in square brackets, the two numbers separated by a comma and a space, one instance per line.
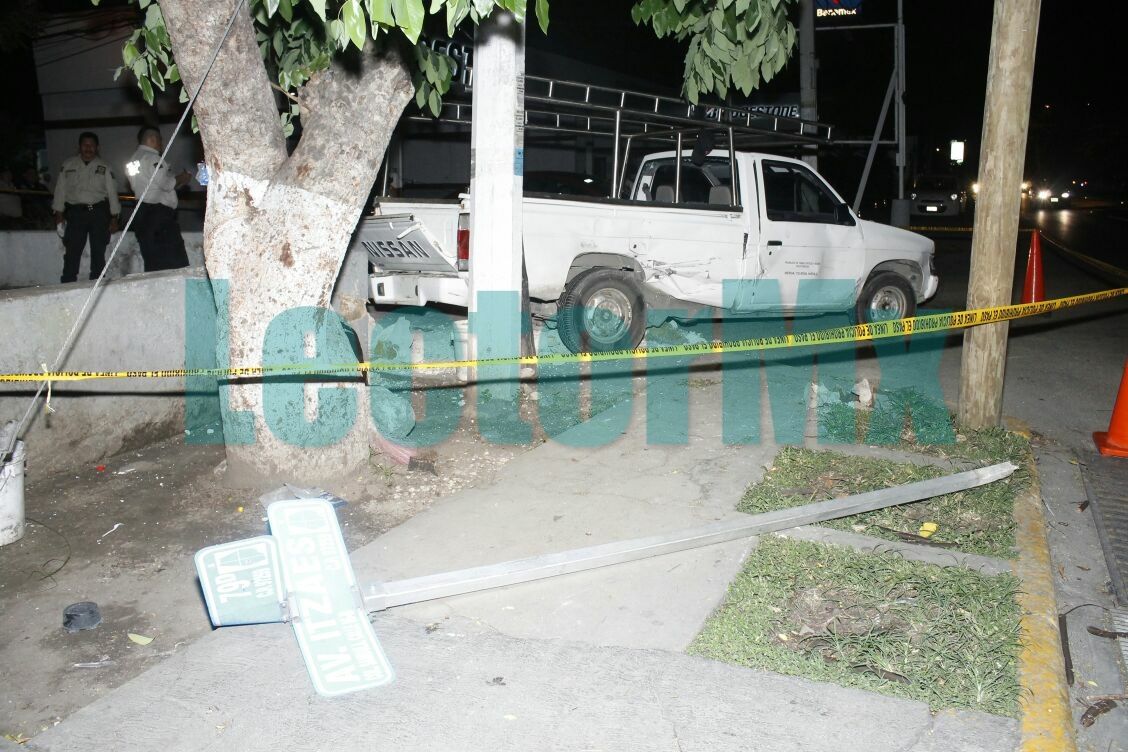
[1077, 87]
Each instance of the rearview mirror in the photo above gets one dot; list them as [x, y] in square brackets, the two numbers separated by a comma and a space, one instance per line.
[842, 215]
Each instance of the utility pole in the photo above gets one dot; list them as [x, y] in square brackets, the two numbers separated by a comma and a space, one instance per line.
[808, 72]
[497, 157]
[1006, 120]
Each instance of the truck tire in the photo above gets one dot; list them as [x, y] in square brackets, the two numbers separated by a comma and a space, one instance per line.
[885, 296]
[601, 310]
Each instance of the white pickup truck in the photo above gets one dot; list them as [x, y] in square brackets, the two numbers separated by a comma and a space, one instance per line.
[685, 227]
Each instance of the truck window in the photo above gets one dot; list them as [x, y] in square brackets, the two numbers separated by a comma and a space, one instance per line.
[792, 193]
[709, 184]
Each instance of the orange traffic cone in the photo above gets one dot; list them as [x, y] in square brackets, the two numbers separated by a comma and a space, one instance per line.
[1034, 289]
[1114, 442]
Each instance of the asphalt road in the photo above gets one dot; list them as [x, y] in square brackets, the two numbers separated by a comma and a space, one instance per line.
[1063, 369]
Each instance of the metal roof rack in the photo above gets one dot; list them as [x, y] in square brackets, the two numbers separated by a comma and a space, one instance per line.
[576, 108]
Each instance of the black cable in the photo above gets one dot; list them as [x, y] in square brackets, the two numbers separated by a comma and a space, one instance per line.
[66, 559]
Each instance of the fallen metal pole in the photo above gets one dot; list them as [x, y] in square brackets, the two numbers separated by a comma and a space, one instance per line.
[379, 596]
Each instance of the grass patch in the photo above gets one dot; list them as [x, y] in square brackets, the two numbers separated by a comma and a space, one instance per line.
[945, 636]
[978, 521]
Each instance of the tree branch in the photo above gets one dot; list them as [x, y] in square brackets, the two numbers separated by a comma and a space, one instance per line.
[238, 117]
[348, 114]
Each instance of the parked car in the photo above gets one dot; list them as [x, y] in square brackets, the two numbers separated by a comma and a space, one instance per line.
[937, 195]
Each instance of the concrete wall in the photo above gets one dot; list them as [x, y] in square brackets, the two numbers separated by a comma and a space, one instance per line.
[136, 322]
[31, 259]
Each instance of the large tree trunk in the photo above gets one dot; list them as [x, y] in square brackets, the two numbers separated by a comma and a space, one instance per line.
[277, 226]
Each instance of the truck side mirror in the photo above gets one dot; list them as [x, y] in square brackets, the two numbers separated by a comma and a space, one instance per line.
[842, 215]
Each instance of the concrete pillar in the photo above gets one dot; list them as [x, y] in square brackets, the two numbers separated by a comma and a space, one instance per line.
[1006, 120]
[497, 156]
[497, 163]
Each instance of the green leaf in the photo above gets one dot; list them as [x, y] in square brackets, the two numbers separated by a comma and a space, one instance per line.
[353, 18]
[146, 89]
[381, 11]
[318, 8]
[542, 15]
[691, 91]
[183, 95]
[456, 11]
[271, 7]
[153, 17]
[286, 10]
[421, 96]
[155, 75]
[434, 102]
[173, 73]
[409, 17]
[129, 53]
[278, 42]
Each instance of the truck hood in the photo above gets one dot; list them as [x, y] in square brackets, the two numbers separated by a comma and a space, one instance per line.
[879, 237]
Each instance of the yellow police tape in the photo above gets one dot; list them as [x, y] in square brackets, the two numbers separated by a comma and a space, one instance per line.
[858, 332]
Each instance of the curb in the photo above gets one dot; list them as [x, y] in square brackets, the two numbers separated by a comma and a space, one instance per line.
[1047, 721]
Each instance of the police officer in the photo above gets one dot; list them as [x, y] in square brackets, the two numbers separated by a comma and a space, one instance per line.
[86, 199]
[154, 221]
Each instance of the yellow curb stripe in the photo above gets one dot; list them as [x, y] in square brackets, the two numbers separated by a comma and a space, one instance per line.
[1047, 721]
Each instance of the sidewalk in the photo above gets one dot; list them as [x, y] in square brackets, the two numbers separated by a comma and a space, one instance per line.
[584, 661]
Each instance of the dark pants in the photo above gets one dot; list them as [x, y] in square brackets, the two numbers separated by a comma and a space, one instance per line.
[85, 221]
[158, 234]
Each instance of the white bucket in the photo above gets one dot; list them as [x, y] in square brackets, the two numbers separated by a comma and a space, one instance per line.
[12, 497]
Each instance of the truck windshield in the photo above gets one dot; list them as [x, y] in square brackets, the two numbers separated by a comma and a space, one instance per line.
[710, 183]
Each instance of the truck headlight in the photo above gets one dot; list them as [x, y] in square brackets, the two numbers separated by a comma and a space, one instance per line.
[1065, 195]
[1043, 194]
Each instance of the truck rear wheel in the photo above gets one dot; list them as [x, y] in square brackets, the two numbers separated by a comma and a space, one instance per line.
[885, 296]
[601, 310]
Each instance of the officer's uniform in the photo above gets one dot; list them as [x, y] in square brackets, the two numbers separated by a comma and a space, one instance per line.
[86, 196]
[154, 221]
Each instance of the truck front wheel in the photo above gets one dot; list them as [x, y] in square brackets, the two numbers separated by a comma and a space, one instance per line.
[885, 296]
[601, 310]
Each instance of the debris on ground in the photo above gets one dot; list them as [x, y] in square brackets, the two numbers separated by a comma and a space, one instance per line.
[78, 617]
[290, 491]
[1094, 711]
[139, 638]
[104, 661]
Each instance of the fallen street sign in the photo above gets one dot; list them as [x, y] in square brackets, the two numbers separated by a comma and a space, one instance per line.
[327, 612]
[242, 582]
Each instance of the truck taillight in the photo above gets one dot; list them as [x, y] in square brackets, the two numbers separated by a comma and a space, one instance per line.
[463, 249]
